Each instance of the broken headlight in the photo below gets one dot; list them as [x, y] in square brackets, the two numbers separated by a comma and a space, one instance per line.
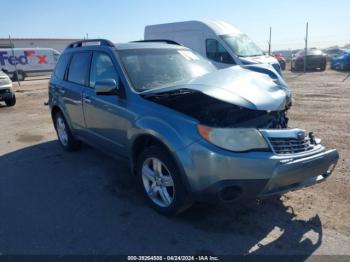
[234, 139]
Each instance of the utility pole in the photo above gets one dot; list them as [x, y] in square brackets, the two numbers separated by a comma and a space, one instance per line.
[305, 52]
[270, 41]
[15, 64]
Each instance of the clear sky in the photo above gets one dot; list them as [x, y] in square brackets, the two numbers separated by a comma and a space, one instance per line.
[124, 20]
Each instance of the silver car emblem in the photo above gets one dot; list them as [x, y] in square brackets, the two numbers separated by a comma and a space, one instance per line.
[300, 135]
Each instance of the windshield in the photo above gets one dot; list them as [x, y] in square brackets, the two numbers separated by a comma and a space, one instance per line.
[151, 68]
[309, 52]
[242, 45]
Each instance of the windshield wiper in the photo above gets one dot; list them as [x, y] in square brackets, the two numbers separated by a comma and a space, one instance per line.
[174, 92]
[251, 55]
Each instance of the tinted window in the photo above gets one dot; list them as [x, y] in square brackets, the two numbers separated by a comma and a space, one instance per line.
[78, 68]
[61, 66]
[216, 52]
[102, 68]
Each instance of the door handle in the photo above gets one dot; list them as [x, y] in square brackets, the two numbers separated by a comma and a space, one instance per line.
[87, 100]
[61, 90]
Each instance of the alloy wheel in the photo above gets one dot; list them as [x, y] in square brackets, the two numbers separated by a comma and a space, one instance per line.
[62, 131]
[158, 182]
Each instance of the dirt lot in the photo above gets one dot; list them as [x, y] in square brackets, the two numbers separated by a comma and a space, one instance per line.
[53, 202]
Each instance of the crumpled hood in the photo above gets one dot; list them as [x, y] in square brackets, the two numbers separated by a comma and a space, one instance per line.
[255, 87]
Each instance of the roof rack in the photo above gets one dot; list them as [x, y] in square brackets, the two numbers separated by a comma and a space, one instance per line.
[157, 41]
[89, 42]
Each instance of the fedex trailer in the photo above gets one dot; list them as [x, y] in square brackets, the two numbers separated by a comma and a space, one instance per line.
[19, 63]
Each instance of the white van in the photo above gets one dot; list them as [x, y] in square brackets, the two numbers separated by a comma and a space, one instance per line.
[219, 41]
[28, 61]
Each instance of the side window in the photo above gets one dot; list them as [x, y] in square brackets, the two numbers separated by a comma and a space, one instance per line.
[78, 68]
[102, 68]
[217, 53]
[61, 65]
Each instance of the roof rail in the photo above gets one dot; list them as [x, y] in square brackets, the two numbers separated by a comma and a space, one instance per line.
[157, 41]
[101, 42]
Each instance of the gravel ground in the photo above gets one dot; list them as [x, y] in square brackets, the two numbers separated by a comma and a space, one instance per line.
[53, 202]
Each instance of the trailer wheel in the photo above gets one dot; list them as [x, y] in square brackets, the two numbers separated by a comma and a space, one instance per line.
[19, 76]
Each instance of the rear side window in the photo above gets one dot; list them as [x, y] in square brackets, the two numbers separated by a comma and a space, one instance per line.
[102, 68]
[61, 65]
[217, 53]
[78, 68]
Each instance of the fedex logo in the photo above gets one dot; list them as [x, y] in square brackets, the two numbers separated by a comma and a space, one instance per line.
[21, 59]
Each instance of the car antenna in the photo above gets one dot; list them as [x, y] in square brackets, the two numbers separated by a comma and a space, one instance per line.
[13, 54]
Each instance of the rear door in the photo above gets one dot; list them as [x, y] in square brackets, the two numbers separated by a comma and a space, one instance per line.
[72, 88]
[106, 118]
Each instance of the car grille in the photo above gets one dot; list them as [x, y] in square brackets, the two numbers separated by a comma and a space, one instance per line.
[289, 145]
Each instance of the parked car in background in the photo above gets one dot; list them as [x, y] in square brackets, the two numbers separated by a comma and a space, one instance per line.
[280, 60]
[6, 93]
[28, 61]
[189, 131]
[333, 52]
[342, 61]
[315, 59]
[222, 43]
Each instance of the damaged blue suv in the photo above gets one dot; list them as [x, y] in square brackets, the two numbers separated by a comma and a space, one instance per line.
[189, 131]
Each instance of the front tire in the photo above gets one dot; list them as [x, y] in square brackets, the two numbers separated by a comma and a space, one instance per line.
[160, 180]
[11, 101]
[64, 134]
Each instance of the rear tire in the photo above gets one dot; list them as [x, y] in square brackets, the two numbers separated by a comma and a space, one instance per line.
[159, 178]
[64, 134]
[19, 76]
[323, 67]
[11, 101]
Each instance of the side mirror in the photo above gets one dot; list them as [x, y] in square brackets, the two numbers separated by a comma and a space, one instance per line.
[106, 87]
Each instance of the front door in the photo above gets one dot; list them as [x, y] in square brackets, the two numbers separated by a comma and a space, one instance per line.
[218, 55]
[105, 115]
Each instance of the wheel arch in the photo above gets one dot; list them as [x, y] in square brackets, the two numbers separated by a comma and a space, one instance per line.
[143, 141]
[54, 110]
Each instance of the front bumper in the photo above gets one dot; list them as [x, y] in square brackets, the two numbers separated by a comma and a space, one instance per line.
[213, 173]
